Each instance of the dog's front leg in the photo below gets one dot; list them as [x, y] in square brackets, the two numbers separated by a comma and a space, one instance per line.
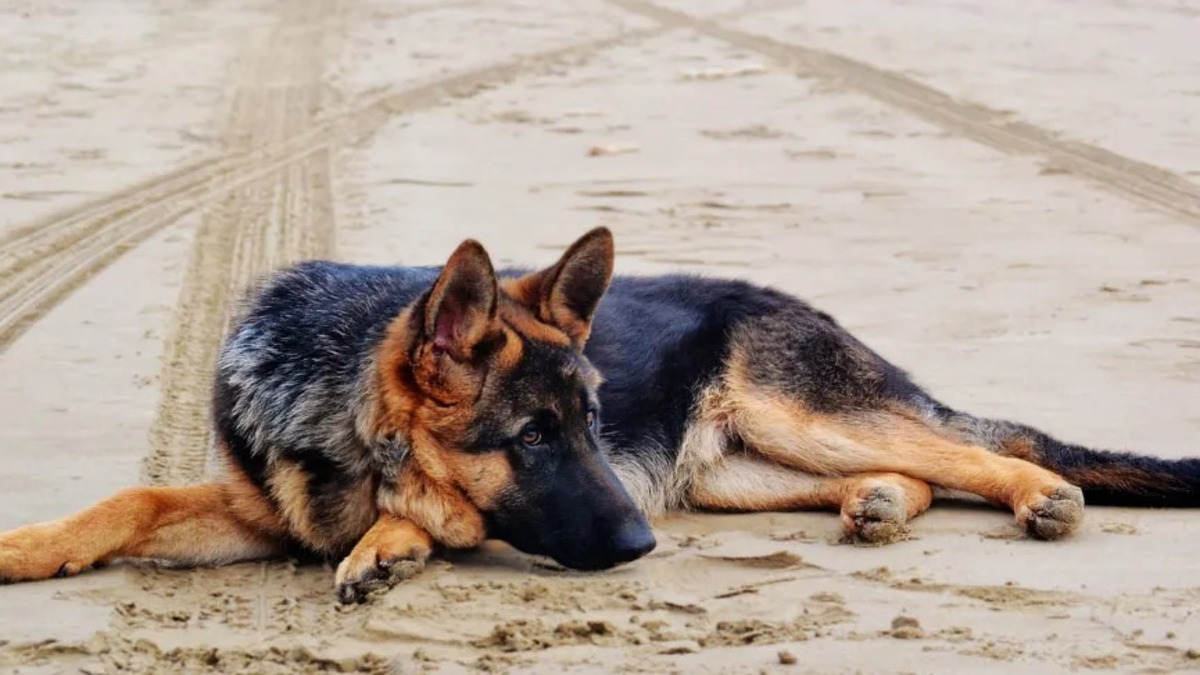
[214, 523]
[415, 511]
[393, 550]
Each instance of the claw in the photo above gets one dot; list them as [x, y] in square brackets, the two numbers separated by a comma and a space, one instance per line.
[384, 575]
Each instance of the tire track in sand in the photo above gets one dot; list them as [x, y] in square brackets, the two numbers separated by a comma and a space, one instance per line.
[43, 262]
[265, 223]
[41, 270]
[1128, 177]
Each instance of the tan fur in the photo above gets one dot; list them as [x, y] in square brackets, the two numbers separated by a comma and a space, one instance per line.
[882, 441]
[484, 477]
[525, 290]
[196, 524]
[439, 508]
[530, 310]
[875, 507]
[780, 430]
[288, 484]
[520, 318]
[589, 261]
[745, 483]
[390, 540]
[511, 352]
[918, 495]
[359, 509]
[1019, 447]
[247, 503]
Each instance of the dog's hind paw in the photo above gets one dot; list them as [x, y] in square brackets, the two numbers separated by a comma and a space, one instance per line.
[391, 551]
[876, 516]
[1054, 513]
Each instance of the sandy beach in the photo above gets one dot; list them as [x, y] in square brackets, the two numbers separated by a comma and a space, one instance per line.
[1003, 200]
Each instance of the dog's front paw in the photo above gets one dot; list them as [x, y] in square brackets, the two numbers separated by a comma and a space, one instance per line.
[37, 552]
[358, 577]
[392, 550]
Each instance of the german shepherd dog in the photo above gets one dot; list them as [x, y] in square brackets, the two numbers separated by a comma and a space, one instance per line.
[369, 414]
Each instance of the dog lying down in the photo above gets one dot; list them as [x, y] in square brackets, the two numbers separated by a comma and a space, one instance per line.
[368, 415]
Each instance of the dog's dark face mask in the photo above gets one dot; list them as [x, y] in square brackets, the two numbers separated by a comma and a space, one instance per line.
[564, 500]
[519, 421]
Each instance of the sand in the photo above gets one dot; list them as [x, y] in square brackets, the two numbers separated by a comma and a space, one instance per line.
[1001, 200]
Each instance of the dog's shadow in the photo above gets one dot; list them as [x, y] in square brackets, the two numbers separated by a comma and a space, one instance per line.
[495, 558]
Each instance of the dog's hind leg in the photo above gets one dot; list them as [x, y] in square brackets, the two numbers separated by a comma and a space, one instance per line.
[875, 507]
[800, 391]
[212, 523]
[896, 441]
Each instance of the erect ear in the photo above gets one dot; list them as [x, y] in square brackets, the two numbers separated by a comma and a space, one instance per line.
[461, 310]
[567, 294]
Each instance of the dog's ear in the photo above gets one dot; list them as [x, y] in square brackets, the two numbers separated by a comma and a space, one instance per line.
[461, 310]
[567, 294]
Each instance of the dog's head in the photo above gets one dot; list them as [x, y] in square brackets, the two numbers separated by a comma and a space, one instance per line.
[501, 407]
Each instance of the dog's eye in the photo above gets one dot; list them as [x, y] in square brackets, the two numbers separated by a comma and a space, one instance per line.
[531, 436]
[591, 419]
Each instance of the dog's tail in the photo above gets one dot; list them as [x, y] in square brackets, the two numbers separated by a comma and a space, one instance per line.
[1107, 478]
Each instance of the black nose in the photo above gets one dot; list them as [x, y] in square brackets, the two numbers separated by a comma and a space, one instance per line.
[632, 541]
